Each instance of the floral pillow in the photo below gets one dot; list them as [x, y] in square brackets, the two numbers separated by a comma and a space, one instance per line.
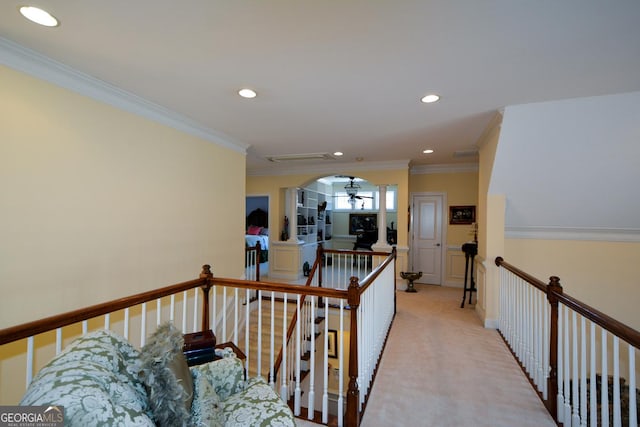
[96, 380]
[167, 377]
[206, 409]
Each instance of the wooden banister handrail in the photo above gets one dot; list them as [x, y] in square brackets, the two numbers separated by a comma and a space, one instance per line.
[279, 287]
[53, 322]
[612, 325]
[605, 321]
[371, 277]
[500, 262]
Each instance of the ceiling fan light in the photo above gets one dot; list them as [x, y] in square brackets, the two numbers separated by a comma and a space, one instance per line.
[352, 189]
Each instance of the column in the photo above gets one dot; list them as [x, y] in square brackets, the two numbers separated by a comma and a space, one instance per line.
[292, 213]
[381, 244]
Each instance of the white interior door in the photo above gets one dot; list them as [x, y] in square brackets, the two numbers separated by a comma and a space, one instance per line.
[426, 246]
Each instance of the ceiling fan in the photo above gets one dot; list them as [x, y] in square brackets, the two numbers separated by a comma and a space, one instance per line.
[352, 191]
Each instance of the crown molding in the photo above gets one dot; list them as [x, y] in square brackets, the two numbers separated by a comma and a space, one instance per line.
[574, 233]
[40, 66]
[330, 168]
[444, 168]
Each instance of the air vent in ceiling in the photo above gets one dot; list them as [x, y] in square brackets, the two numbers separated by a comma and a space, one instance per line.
[297, 157]
[472, 152]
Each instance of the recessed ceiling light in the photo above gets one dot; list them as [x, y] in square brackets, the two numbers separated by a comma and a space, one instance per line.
[247, 93]
[338, 153]
[428, 151]
[428, 99]
[39, 16]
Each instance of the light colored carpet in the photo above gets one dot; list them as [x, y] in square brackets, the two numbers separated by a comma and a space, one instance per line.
[441, 367]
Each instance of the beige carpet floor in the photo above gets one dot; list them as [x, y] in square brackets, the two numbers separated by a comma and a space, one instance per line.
[441, 367]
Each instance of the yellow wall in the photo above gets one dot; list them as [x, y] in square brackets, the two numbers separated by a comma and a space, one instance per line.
[605, 275]
[491, 222]
[98, 203]
[461, 189]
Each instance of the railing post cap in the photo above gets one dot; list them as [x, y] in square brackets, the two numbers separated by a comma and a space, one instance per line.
[206, 272]
[499, 260]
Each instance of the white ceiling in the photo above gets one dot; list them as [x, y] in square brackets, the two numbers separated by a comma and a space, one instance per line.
[344, 75]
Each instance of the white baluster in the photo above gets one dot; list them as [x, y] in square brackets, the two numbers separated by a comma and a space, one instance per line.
[224, 314]
[560, 360]
[325, 364]
[567, 369]
[107, 321]
[214, 318]
[236, 313]
[340, 367]
[593, 397]
[143, 324]
[184, 312]
[545, 349]
[29, 368]
[284, 392]
[158, 312]
[247, 315]
[259, 349]
[617, 420]
[604, 383]
[633, 411]
[195, 310]
[298, 391]
[85, 327]
[312, 372]
[172, 308]
[272, 336]
[58, 340]
[575, 403]
[126, 323]
[583, 372]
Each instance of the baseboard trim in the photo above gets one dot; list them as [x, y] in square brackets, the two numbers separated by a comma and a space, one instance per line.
[491, 323]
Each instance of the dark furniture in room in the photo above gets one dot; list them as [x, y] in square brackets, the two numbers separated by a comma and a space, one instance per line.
[470, 251]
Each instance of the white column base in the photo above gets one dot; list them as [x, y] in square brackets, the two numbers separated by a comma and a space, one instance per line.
[382, 247]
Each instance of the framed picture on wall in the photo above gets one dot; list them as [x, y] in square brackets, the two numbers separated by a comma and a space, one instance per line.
[332, 346]
[462, 214]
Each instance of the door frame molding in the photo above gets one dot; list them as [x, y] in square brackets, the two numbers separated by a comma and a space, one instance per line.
[443, 231]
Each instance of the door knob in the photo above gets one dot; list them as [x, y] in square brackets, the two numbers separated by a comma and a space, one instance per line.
[437, 244]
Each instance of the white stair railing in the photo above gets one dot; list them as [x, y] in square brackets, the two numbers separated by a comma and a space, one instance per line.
[570, 351]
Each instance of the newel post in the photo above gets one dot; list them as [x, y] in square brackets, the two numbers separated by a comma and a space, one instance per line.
[353, 393]
[319, 257]
[207, 275]
[553, 290]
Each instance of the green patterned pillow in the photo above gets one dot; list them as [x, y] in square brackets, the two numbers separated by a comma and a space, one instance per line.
[226, 374]
[95, 380]
[206, 409]
[258, 406]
